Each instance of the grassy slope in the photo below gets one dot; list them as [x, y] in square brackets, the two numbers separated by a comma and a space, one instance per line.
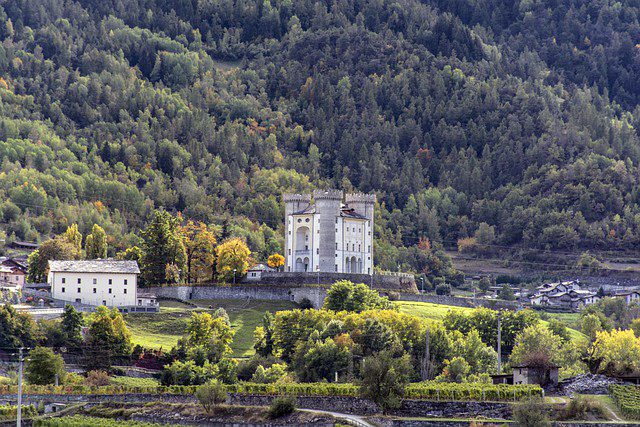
[164, 329]
[437, 312]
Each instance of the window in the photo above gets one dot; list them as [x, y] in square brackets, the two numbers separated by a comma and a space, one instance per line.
[359, 230]
[317, 251]
[347, 228]
[359, 248]
[64, 280]
[125, 281]
[110, 281]
[104, 302]
[109, 290]
[79, 300]
[369, 249]
[125, 291]
[79, 290]
[289, 251]
[79, 280]
[369, 233]
[62, 290]
[336, 220]
[318, 231]
[95, 291]
[306, 220]
[336, 266]
[336, 246]
[95, 281]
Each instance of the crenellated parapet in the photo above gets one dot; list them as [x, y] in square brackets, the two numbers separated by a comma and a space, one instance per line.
[360, 198]
[299, 198]
[327, 195]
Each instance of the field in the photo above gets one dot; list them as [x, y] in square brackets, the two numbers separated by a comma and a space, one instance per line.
[430, 311]
[427, 310]
[153, 330]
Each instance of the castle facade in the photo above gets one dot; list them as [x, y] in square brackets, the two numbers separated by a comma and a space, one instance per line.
[332, 234]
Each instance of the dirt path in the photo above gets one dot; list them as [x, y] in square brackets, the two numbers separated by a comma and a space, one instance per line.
[351, 419]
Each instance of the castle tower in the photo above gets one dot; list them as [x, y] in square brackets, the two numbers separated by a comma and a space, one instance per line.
[364, 204]
[292, 203]
[328, 204]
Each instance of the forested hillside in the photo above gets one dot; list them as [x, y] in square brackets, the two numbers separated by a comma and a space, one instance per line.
[517, 119]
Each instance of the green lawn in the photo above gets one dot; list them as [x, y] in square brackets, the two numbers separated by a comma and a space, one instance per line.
[134, 382]
[155, 330]
[572, 320]
[427, 310]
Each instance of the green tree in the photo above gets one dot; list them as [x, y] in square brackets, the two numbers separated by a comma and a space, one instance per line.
[534, 340]
[72, 322]
[263, 336]
[16, 329]
[107, 337]
[212, 336]
[347, 296]
[233, 259]
[162, 245]
[52, 249]
[560, 329]
[506, 293]
[384, 378]
[43, 365]
[200, 245]
[95, 245]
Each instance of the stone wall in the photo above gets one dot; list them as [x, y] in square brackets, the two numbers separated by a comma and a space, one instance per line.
[461, 301]
[346, 405]
[242, 292]
[430, 423]
[397, 281]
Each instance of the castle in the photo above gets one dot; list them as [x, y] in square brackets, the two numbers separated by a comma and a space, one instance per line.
[329, 235]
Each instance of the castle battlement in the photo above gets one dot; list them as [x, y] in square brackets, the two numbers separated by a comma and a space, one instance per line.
[291, 197]
[328, 195]
[360, 197]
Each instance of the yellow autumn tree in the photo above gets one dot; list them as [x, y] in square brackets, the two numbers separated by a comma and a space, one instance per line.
[617, 351]
[275, 261]
[200, 244]
[233, 254]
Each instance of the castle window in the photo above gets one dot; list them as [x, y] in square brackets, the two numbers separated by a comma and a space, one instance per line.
[62, 290]
[336, 267]
[369, 249]
[64, 280]
[289, 251]
[359, 230]
[79, 290]
[299, 220]
[369, 233]
[306, 220]
[79, 280]
[336, 220]
[336, 246]
[317, 250]
[359, 248]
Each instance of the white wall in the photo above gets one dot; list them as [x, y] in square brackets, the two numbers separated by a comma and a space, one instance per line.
[64, 286]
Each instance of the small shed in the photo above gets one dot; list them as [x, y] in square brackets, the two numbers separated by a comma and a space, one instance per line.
[502, 379]
[535, 374]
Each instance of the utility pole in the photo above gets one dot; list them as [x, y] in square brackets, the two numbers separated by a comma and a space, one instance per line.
[19, 412]
[499, 343]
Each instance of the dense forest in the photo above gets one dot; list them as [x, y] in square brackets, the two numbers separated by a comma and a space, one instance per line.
[514, 122]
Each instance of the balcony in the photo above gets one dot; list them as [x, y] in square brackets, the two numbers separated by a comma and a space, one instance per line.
[302, 252]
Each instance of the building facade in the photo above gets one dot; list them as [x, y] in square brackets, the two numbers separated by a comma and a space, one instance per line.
[334, 233]
[12, 274]
[96, 282]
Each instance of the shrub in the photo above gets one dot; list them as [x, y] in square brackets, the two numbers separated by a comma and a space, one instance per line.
[531, 413]
[582, 408]
[443, 289]
[211, 394]
[98, 378]
[305, 304]
[281, 406]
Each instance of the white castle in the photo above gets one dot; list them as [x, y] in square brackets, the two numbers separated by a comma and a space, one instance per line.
[329, 235]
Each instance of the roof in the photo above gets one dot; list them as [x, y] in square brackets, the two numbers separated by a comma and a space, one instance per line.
[95, 266]
[350, 213]
[526, 365]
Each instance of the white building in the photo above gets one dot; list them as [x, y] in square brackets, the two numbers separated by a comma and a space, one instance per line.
[329, 235]
[95, 282]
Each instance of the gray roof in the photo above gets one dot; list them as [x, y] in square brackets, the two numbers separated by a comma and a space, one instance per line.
[95, 266]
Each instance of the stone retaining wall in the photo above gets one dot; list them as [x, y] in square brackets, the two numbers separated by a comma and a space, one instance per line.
[346, 405]
[399, 281]
[242, 292]
[429, 423]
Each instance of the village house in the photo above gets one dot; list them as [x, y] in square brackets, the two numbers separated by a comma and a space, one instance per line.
[98, 282]
[565, 296]
[629, 296]
[12, 274]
